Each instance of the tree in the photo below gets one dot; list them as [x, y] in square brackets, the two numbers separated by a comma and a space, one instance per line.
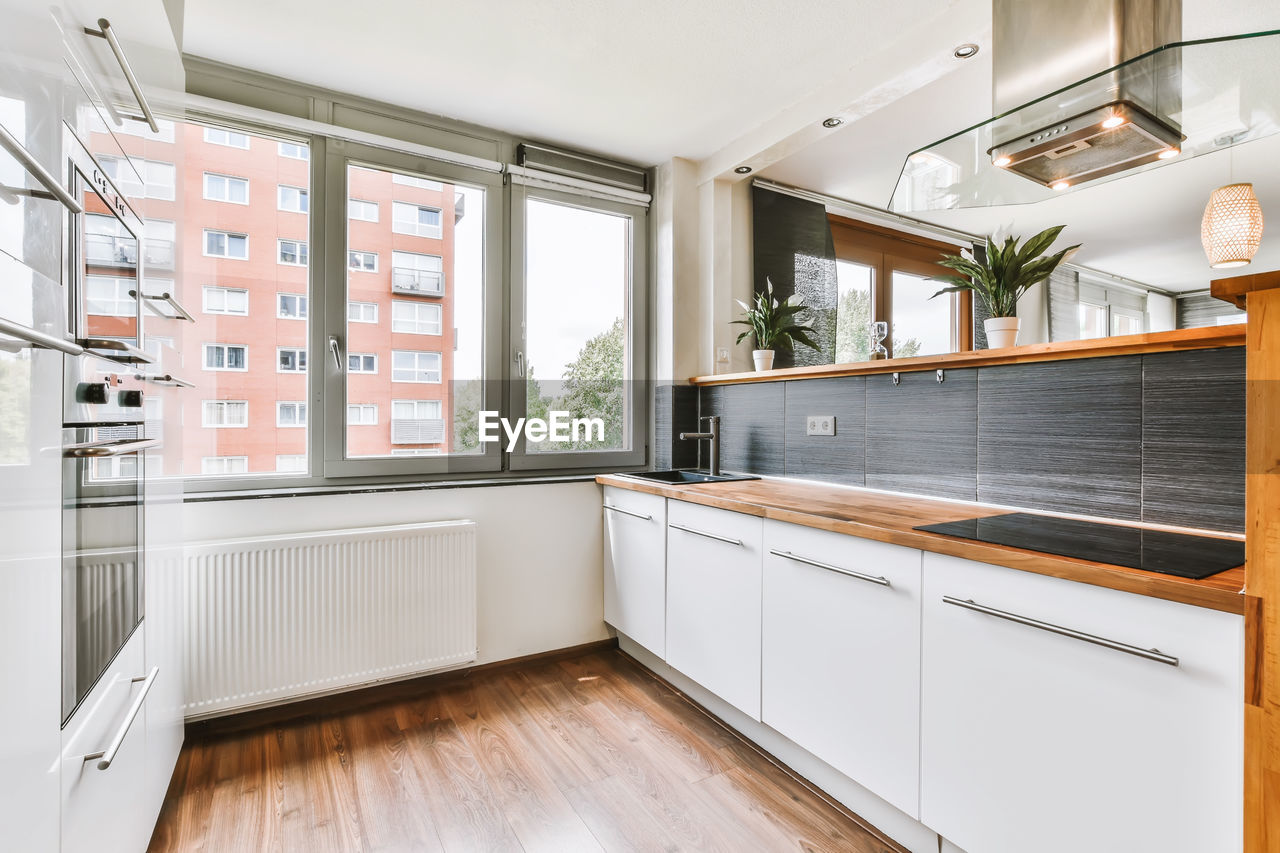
[853, 329]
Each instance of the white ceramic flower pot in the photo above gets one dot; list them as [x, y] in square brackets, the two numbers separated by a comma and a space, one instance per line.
[763, 359]
[1001, 332]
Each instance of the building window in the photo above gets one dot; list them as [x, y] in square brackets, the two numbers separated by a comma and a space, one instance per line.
[228, 138]
[291, 199]
[362, 261]
[291, 360]
[404, 410]
[361, 210]
[417, 422]
[291, 463]
[291, 414]
[117, 468]
[293, 253]
[224, 244]
[416, 318]
[221, 465]
[362, 362]
[226, 357]
[226, 188]
[416, 273]
[226, 300]
[158, 246]
[295, 151]
[108, 296]
[362, 414]
[291, 306]
[415, 366]
[362, 312]
[412, 181]
[225, 413]
[415, 219]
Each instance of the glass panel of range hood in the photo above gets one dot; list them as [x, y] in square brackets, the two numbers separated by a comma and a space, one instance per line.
[1171, 104]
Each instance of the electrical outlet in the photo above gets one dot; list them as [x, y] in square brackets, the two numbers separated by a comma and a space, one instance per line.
[820, 425]
[722, 355]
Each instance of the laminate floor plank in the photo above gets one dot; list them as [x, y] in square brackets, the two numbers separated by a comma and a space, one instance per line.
[591, 752]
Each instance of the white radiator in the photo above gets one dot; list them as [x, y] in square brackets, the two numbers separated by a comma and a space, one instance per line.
[276, 618]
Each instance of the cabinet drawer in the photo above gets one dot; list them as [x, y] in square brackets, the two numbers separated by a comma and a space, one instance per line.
[713, 601]
[1035, 740]
[841, 655]
[635, 566]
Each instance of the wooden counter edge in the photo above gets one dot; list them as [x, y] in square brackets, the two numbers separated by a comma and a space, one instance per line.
[1083, 571]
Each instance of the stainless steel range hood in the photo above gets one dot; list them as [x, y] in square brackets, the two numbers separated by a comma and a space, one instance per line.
[1042, 46]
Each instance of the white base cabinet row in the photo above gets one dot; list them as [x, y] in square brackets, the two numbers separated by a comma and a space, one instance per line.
[905, 672]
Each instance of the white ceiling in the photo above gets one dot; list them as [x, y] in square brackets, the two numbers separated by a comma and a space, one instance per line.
[643, 80]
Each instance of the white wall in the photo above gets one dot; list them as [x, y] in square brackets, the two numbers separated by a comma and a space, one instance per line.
[1162, 313]
[538, 550]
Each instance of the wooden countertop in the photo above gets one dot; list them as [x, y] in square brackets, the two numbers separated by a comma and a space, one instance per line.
[1208, 337]
[891, 518]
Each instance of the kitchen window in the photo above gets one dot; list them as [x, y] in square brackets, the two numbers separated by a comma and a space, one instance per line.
[227, 138]
[291, 414]
[226, 300]
[226, 357]
[226, 188]
[362, 362]
[108, 296]
[291, 306]
[362, 312]
[293, 253]
[225, 413]
[413, 366]
[361, 210]
[362, 261]
[291, 199]
[225, 244]
[215, 466]
[362, 414]
[416, 318]
[291, 360]
[415, 219]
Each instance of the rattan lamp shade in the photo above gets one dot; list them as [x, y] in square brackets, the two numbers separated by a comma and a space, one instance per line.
[1231, 230]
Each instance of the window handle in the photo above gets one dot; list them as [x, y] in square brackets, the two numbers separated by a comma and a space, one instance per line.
[519, 360]
[336, 352]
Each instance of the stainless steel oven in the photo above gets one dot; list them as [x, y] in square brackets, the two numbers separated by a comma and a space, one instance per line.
[103, 438]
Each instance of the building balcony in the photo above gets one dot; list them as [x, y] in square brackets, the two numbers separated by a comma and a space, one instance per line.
[417, 430]
[104, 250]
[417, 282]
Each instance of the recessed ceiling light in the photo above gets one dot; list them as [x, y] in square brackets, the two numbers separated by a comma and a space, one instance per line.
[966, 51]
[1169, 153]
[1059, 186]
[1114, 121]
[833, 122]
[743, 170]
[1003, 161]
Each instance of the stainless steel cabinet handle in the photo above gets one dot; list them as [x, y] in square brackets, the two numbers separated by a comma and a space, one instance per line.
[32, 165]
[108, 755]
[39, 339]
[167, 379]
[104, 31]
[850, 572]
[336, 352]
[628, 512]
[98, 449]
[714, 536]
[1149, 654]
[179, 313]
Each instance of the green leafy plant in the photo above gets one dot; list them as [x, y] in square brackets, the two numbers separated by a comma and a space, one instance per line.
[1009, 270]
[774, 324]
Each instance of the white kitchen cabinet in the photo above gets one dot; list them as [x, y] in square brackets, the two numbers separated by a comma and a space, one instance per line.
[713, 600]
[635, 566]
[1032, 740]
[841, 655]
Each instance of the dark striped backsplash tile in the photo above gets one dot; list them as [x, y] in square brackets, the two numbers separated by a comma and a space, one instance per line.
[839, 458]
[922, 434]
[751, 433]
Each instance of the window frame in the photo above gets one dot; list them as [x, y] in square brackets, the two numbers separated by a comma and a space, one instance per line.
[304, 301]
[204, 188]
[204, 244]
[350, 268]
[206, 459]
[299, 424]
[433, 232]
[229, 132]
[418, 305]
[362, 356]
[204, 357]
[372, 322]
[204, 300]
[303, 193]
[300, 357]
[303, 248]
[377, 211]
[204, 421]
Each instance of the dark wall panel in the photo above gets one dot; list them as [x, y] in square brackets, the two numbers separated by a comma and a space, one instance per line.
[922, 434]
[751, 437]
[839, 458]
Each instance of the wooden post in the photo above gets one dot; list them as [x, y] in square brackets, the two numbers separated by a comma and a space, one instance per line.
[1260, 296]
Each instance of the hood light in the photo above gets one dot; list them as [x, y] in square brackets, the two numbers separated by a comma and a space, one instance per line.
[1169, 153]
[1114, 122]
[1231, 230]
[966, 51]
[834, 121]
[1059, 186]
[743, 170]
[1003, 161]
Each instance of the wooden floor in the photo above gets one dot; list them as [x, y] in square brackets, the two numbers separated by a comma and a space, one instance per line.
[590, 752]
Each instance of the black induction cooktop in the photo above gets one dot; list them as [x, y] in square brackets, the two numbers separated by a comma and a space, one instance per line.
[1180, 554]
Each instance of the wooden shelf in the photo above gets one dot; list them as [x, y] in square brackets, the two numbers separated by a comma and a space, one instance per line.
[1180, 339]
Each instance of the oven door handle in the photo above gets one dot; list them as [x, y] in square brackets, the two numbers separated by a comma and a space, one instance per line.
[99, 449]
[108, 755]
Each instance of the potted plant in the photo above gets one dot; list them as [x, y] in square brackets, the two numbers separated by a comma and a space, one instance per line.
[1007, 273]
[774, 325]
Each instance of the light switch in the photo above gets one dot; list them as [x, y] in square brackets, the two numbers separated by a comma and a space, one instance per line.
[820, 425]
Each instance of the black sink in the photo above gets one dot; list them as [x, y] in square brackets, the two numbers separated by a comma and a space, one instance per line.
[687, 478]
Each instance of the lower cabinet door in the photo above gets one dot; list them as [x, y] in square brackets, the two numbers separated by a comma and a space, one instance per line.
[1032, 740]
[105, 811]
[713, 601]
[635, 566]
[841, 655]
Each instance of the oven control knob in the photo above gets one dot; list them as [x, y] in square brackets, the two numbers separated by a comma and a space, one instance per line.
[93, 393]
[131, 399]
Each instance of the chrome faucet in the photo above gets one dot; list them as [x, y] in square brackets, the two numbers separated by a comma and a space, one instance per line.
[712, 435]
